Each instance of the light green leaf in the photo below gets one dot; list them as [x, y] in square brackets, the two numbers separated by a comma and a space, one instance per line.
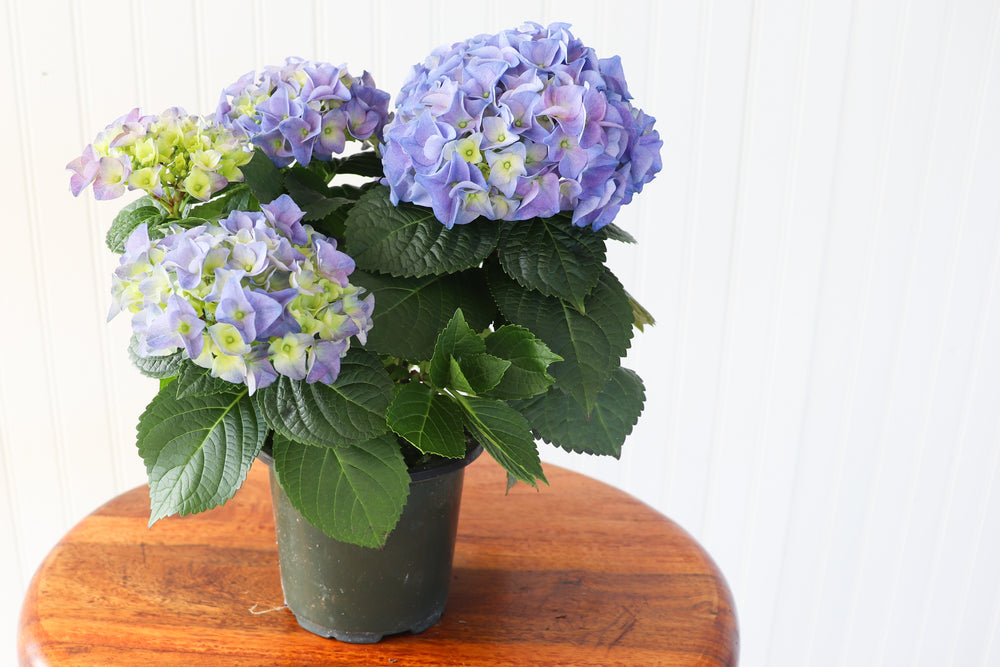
[506, 435]
[640, 316]
[561, 420]
[456, 339]
[197, 381]
[354, 494]
[350, 411]
[197, 450]
[564, 261]
[155, 367]
[480, 372]
[233, 197]
[456, 378]
[190, 222]
[430, 421]
[408, 241]
[142, 210]
[529, 359]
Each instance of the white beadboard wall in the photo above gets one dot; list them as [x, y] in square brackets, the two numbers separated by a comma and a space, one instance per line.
[821, 250]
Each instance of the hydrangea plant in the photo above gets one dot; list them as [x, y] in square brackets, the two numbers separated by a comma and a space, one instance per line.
[459, 296]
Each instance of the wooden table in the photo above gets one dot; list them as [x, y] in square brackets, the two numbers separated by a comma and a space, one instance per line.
[576, 574]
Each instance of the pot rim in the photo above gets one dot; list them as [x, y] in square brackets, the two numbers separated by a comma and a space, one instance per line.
[421, 473]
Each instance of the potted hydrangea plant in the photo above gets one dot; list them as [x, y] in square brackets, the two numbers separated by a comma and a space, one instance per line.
[369, 336]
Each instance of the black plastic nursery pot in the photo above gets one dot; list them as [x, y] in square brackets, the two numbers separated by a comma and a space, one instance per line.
[357, 594]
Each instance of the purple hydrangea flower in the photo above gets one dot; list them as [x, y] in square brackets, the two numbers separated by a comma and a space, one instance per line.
[303, 110]
[178, 326]
[254, 296]
[541, 124]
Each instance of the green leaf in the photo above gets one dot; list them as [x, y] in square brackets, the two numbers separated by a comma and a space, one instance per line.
[197, 450]
[142, 210]
[155, 367]
[307, 182]
[428, 420]
[613, 232]
[191, 222]
[354, 494]
[506, 435]
[480, 372]
[408, 241]
[564, 261]
[364, 163]
[348, 191]
[350, 411]
[312, 193]
[263, 178]
[197, 381]
[411, 311]
[233, 197]
[335, 222]
[456, 378]
[321, 209]
[591, 343]
[455, 340]
[529, 359]
[561, 420]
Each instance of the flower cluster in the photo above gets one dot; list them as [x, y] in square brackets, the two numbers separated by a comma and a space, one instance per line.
[304, 110]
[257, 295]
[516, 125]
[169, 156]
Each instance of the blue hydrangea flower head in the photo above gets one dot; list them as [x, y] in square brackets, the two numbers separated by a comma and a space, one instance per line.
[304, 110]
[541, 123]
[252, 297]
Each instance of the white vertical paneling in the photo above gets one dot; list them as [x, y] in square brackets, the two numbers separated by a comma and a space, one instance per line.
[901, 498]
[759, 228]
[677, 62]
[107, 392]
[25, 371]
[791, 118]
[225, 59]
[904, 127]
[804, 207]
[29, 372]
[970, 235]
[821, 251]
[419, 28]
[801, 625]
[642, 56]
[975, 628]
[15, 575]
[718, 136]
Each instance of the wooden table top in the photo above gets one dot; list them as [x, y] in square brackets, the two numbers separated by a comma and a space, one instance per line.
[576, 574]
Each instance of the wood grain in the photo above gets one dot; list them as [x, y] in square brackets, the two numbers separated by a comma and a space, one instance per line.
[578, 573]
